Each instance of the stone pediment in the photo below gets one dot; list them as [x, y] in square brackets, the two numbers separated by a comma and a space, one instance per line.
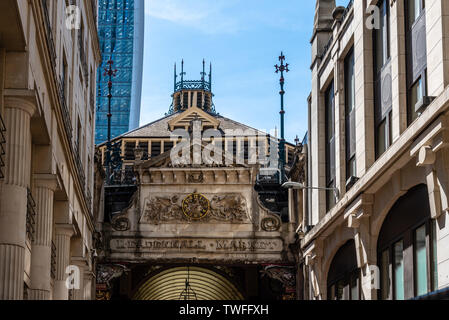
[185, 119]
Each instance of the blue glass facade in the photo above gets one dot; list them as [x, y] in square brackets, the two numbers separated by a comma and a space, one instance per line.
[120, 29]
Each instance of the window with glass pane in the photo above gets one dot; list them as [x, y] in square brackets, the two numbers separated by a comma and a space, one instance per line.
[416, 94]
[350, 115]
[414, 10]
[382, 36]
[330, 144]
[434, 256]
[385, 274]
[398, 251]
[355, 286]
[421, 261]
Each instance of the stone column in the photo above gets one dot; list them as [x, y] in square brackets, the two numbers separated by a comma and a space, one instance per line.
[45, 186]
[13, 201]
[62, 242]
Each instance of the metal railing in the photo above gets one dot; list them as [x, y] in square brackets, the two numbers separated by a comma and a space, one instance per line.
[53, 261]
[348, 8]
[65, 111]
[31, 215]
[2, 147]
[79, 167]
[49, 32]
[83, 59]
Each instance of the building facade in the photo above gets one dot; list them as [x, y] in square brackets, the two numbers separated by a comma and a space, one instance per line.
[204, 227]
[49, 55]
[378, 138]
[121, 34]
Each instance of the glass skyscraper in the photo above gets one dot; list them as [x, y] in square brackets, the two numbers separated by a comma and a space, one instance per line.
[121, 35]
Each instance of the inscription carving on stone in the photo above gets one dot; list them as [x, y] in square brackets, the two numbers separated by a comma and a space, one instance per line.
[229, 208]
[203, 245]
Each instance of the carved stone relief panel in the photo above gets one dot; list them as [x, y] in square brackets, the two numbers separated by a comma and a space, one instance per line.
[195, 207]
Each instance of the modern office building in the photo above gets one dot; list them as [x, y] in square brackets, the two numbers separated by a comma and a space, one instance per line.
[121, 34]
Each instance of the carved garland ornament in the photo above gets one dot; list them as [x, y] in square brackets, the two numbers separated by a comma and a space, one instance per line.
[195, 208]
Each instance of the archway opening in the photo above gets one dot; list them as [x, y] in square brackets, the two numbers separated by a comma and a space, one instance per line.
[203, 284]
[406, 248]
[343, 279]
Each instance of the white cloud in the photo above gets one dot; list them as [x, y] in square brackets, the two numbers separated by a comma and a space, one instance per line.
[204, 15]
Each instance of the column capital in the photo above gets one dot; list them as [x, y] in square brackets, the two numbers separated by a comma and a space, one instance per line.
[65, 229]
[21, 99]
[48, 181]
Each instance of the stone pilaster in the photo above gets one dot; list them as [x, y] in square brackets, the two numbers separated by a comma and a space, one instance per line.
[313, 256]
[358, 218]
[63, 233]
[13, 202]
[45, 186]
[78, 294]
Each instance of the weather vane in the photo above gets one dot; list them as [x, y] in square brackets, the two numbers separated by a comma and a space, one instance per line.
[282, 68]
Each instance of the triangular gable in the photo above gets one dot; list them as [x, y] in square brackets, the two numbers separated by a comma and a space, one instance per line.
[185, 119]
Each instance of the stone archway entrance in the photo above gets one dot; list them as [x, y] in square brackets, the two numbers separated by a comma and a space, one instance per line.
[204, 284]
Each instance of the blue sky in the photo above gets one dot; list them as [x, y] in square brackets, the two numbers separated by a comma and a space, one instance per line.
[242, 39]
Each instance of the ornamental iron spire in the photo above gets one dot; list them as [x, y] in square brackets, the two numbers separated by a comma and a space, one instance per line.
[110, 73]
[282, 68]
[203, 74]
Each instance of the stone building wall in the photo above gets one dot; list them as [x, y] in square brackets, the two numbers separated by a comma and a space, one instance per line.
[417, 153]
[47, 100]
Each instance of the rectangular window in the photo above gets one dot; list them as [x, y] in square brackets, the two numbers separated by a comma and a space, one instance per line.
[416, 57]
[416, 94]
[330, 145]
[434, 256]
[350, 115]
[415, 7]
[398, 250]
[382, 36]
[355, 286]
[382, 79]
[421, 261]
[168, 145]
[155, 148]
[385, 274]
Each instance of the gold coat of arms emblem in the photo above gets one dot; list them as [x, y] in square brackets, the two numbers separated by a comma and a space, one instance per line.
[196, 206]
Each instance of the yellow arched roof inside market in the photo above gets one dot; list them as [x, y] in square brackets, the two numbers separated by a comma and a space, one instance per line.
[170, 284]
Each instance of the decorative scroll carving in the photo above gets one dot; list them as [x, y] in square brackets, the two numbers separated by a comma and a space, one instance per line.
[285, 275]
[271, 224]
[229, 208]
[106, 273]
[120, 223]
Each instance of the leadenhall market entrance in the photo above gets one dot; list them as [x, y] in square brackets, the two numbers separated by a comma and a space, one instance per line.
[198, 230]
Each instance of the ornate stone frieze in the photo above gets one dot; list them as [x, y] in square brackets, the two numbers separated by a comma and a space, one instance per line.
[228, 208]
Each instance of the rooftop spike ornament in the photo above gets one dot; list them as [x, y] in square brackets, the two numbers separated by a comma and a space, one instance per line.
[282, 68]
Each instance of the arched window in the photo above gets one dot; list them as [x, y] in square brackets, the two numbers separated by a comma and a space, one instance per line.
[406, 248]
[343, 279]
